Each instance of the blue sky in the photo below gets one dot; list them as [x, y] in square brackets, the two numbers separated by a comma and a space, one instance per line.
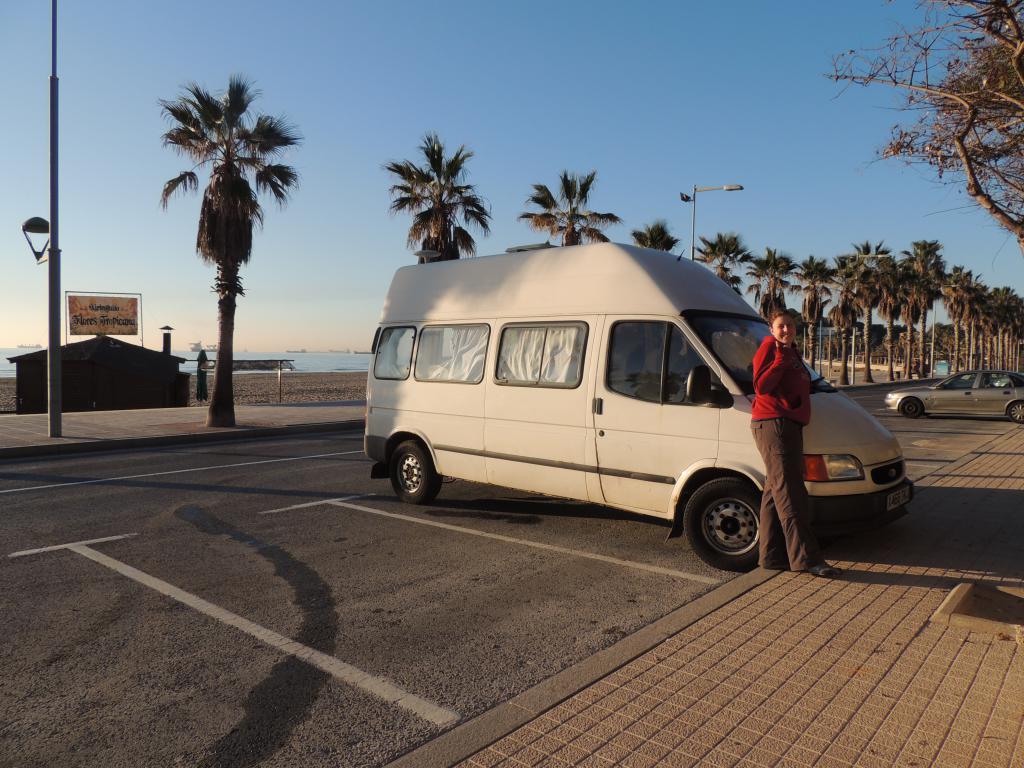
[656, 96]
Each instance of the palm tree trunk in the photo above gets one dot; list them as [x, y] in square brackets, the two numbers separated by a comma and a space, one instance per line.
[222, 403]
[920, 342]
[812, 342]
[956, 347]
[889, 323]
[868, 378]
[844, 367]
[908, 361]
[971, 348]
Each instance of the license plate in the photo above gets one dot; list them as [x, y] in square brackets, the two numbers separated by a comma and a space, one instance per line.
[897, 498]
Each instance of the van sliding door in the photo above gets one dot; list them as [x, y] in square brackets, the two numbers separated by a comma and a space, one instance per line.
[538, 407]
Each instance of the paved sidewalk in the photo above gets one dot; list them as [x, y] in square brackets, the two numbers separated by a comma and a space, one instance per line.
[808, 672]
[26, 435]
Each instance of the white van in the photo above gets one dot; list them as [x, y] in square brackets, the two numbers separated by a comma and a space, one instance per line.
[610, 374]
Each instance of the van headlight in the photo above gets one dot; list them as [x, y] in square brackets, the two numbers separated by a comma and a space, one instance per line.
[820, 468]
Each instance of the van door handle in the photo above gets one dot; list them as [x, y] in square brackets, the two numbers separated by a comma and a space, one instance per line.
[599, 405]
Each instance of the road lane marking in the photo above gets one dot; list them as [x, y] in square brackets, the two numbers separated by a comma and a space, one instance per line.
[177, 471]
[512, 540]
[55, 547]
[311, 504]
[375, 686]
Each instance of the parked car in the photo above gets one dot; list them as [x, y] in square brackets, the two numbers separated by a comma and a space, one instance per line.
[981, 393]
[611, 374]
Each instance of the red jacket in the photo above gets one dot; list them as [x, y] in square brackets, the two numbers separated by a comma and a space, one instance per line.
[782, 386]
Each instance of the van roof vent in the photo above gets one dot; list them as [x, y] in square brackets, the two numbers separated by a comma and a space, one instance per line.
[530, 247]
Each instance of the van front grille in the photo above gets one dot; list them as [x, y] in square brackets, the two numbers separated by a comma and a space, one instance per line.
[887, 473]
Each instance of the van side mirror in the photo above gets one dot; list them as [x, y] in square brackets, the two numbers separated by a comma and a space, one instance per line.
[698, 385]
[700, 390]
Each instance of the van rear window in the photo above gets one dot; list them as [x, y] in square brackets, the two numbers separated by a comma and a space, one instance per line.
[394, 353]
[542, 355]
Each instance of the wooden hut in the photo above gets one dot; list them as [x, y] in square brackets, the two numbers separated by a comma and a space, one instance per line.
[103, 374]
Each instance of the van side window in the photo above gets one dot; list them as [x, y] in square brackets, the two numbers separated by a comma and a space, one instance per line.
[682, 358]
[394, 353]
[635, 360]
[453, 353]
[543, 355]
[638, 366]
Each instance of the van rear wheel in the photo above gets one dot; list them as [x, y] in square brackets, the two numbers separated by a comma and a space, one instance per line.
[720, 519]
[413, 475]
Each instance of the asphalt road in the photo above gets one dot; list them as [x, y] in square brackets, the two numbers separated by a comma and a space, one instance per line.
[273, 606]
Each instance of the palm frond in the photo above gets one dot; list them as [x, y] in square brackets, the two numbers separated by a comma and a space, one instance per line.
[187, 181]
[269, 137]
[237, 99]
[279, 180]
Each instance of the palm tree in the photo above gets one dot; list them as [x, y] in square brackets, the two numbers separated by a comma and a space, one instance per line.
[655, 235]
[974, 301]
[911, 314]
[770, 274]
[891, 299]
[843, 315]
[956, 293]
[814, 276]
[239, 148]
[869, 257]
[1001, 309]
[926, 264]
[568, 215]
[724, 254]
[437, 196]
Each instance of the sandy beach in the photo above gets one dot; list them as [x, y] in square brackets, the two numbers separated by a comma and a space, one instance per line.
[256, 388]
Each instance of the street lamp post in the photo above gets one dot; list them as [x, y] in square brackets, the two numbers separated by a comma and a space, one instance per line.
[692, 198]
[39, 226]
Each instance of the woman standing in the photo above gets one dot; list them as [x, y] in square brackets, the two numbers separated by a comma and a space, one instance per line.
[782, 407]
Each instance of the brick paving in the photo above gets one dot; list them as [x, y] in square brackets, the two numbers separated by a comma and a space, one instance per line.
[809, 672]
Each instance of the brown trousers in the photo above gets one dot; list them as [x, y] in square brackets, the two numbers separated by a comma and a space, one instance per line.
[784, 529]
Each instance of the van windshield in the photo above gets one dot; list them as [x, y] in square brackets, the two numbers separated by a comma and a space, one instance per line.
[733, 340]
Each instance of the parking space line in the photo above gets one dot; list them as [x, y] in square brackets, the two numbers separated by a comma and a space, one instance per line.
[306, 504]
[527, 543]
[55, 547]
[177, 471]
[376, 686]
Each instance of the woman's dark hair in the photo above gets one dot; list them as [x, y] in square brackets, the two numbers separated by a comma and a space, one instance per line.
[781, 312]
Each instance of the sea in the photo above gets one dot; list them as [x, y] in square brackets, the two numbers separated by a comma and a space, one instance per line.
[304, 362]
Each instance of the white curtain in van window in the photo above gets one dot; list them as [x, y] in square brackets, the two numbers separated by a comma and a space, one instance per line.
[520, 355]
[452, 353]
[394, 354]
[564, 349]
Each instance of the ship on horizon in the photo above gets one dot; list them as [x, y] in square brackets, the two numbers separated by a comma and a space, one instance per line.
[30, 346]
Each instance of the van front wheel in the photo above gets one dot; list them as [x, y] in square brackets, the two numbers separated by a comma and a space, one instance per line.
[413, 475]
[720, 520]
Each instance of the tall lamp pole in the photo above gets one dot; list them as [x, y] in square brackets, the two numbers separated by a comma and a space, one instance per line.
[51, 254]
[53, 352]
[692, 198]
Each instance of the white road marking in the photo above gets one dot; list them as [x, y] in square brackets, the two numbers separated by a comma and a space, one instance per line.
[375, 686]
[55, 547]
[177, 472]
[311, 504]
[522, 542]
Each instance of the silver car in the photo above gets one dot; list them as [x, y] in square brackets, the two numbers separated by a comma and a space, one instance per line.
[981, 393]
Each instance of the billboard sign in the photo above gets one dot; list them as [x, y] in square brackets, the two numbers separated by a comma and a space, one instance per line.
[103, 315]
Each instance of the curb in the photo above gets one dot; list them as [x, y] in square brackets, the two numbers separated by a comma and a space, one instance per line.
[469, 738]
[190, 438]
